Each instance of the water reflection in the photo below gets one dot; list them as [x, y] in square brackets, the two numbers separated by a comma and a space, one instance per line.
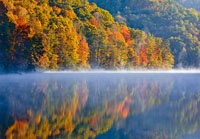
[99, 105]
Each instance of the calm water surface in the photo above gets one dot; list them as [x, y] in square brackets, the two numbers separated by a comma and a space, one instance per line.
[100, 105]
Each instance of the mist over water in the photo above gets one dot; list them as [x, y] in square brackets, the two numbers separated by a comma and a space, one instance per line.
[172, 71]
[98, 104]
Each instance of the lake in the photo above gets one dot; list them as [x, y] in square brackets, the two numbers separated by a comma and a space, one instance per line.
[100, 105]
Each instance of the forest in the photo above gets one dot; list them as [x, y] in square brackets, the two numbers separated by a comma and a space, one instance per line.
[172, 20]
[76, 34]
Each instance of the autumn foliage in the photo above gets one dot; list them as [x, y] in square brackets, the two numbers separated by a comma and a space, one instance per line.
[49, 35]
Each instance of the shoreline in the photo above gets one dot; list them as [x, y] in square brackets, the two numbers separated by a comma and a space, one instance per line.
[172, 71]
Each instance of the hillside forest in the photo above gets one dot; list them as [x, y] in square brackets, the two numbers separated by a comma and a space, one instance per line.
[175, 21]
[74, 34]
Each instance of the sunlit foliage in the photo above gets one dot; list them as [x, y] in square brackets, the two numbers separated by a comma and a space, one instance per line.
[58, 34]
[166, 19]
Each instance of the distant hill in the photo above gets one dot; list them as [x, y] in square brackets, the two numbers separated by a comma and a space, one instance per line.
[190, 4]
[163, 18]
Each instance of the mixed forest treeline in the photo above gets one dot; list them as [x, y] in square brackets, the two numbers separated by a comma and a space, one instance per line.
[167, 19]
[73, 34]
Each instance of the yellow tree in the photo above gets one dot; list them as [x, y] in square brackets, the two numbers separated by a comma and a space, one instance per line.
[83, 52]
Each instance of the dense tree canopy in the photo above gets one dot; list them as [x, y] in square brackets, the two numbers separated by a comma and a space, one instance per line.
[163, 18]
[63, 34]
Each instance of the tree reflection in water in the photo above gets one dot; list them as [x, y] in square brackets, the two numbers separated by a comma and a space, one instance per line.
[99, 105]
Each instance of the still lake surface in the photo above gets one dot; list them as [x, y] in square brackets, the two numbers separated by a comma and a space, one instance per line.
[100, 105]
